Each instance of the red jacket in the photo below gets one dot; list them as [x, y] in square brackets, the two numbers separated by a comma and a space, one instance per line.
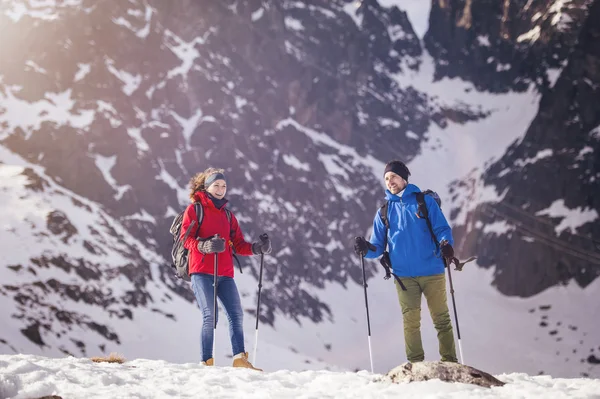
[215, 221]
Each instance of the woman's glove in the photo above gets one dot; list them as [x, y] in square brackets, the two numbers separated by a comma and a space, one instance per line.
[263, 246]
[212, 245]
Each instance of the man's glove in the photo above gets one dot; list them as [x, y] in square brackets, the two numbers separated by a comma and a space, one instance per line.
[447, 250]
[263, 246]
[212, 245]
[361, 246]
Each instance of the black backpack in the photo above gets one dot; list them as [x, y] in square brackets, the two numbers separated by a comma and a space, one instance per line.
[180, 254]
[422, 212]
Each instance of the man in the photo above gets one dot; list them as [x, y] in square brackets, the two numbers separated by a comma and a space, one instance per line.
[416, 260]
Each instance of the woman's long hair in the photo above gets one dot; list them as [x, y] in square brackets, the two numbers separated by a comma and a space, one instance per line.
[197, 182]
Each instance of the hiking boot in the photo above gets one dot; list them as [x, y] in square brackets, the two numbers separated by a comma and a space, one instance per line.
[209, 362]
[241, 360]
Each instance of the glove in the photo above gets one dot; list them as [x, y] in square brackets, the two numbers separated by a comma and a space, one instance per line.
[263, 246]
[447, 251]
[361, 246]
[212, 245]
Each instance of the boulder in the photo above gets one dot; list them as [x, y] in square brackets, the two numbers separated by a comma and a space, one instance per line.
[445, 371]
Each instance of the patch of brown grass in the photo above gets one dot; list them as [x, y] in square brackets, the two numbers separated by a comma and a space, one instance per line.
[112, 358]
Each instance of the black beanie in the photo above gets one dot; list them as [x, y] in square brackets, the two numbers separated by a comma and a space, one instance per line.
[398, 168]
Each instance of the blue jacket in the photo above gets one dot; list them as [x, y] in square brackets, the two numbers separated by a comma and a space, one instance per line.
[412, 250]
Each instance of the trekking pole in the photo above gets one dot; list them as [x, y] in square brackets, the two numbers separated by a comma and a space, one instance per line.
[263, 238]
[362, 263]
[216, 264]
[448, 266]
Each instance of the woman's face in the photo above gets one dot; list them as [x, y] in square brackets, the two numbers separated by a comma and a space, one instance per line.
[218, 189]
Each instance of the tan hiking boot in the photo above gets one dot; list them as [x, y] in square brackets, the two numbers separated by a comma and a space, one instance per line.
[241, 360]
[209, 362]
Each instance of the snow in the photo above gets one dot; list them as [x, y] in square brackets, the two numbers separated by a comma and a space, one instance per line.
[27, 376]
[40, 9]
[105, 164]
[483, 40]
[412, 135]
[182, 192]
[560, 17]
[389, 122]
[140, 33]
[479, 141]
[240, 102]
[503, 67]
[351, 9]
[498, 228]
[24, 231]
[130, 81]
[185, 51]
[142, 216]
[256, 15]
[141, 144]
[295, 162]
[530, 36]
[396, 32]
[417, 10]
[571, 218]
[55, 107]
[294, 24]
[83, 70]
[553, 75]
[189, 125]
[323, 139]
[585, 150]
[546, 153]
[109, 112]
[35, 67]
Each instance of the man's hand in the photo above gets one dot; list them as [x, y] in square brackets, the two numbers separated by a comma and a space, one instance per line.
[447, 250]
[361, 246]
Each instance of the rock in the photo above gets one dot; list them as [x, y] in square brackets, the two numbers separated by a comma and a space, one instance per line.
[445, 371]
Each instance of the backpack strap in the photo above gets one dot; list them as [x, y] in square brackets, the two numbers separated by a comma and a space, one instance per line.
[199, 216]
[422, 212]
[383, 211]
[385, 260]
[231, 232]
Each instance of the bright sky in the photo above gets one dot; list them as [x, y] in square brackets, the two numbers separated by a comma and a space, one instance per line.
[28, 376]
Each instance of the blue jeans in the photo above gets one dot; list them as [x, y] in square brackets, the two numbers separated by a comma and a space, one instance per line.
[228, 295]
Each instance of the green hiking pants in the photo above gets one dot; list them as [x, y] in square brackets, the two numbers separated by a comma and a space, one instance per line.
[434, 289]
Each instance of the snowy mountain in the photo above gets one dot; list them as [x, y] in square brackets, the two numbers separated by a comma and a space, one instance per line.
[107, 109]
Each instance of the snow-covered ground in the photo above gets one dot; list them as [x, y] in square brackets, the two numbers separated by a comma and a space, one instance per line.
[27, 376]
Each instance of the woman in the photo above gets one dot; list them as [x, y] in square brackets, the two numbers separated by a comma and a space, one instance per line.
[217, 236]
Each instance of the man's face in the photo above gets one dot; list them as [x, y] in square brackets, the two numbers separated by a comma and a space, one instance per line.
[394, 183]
